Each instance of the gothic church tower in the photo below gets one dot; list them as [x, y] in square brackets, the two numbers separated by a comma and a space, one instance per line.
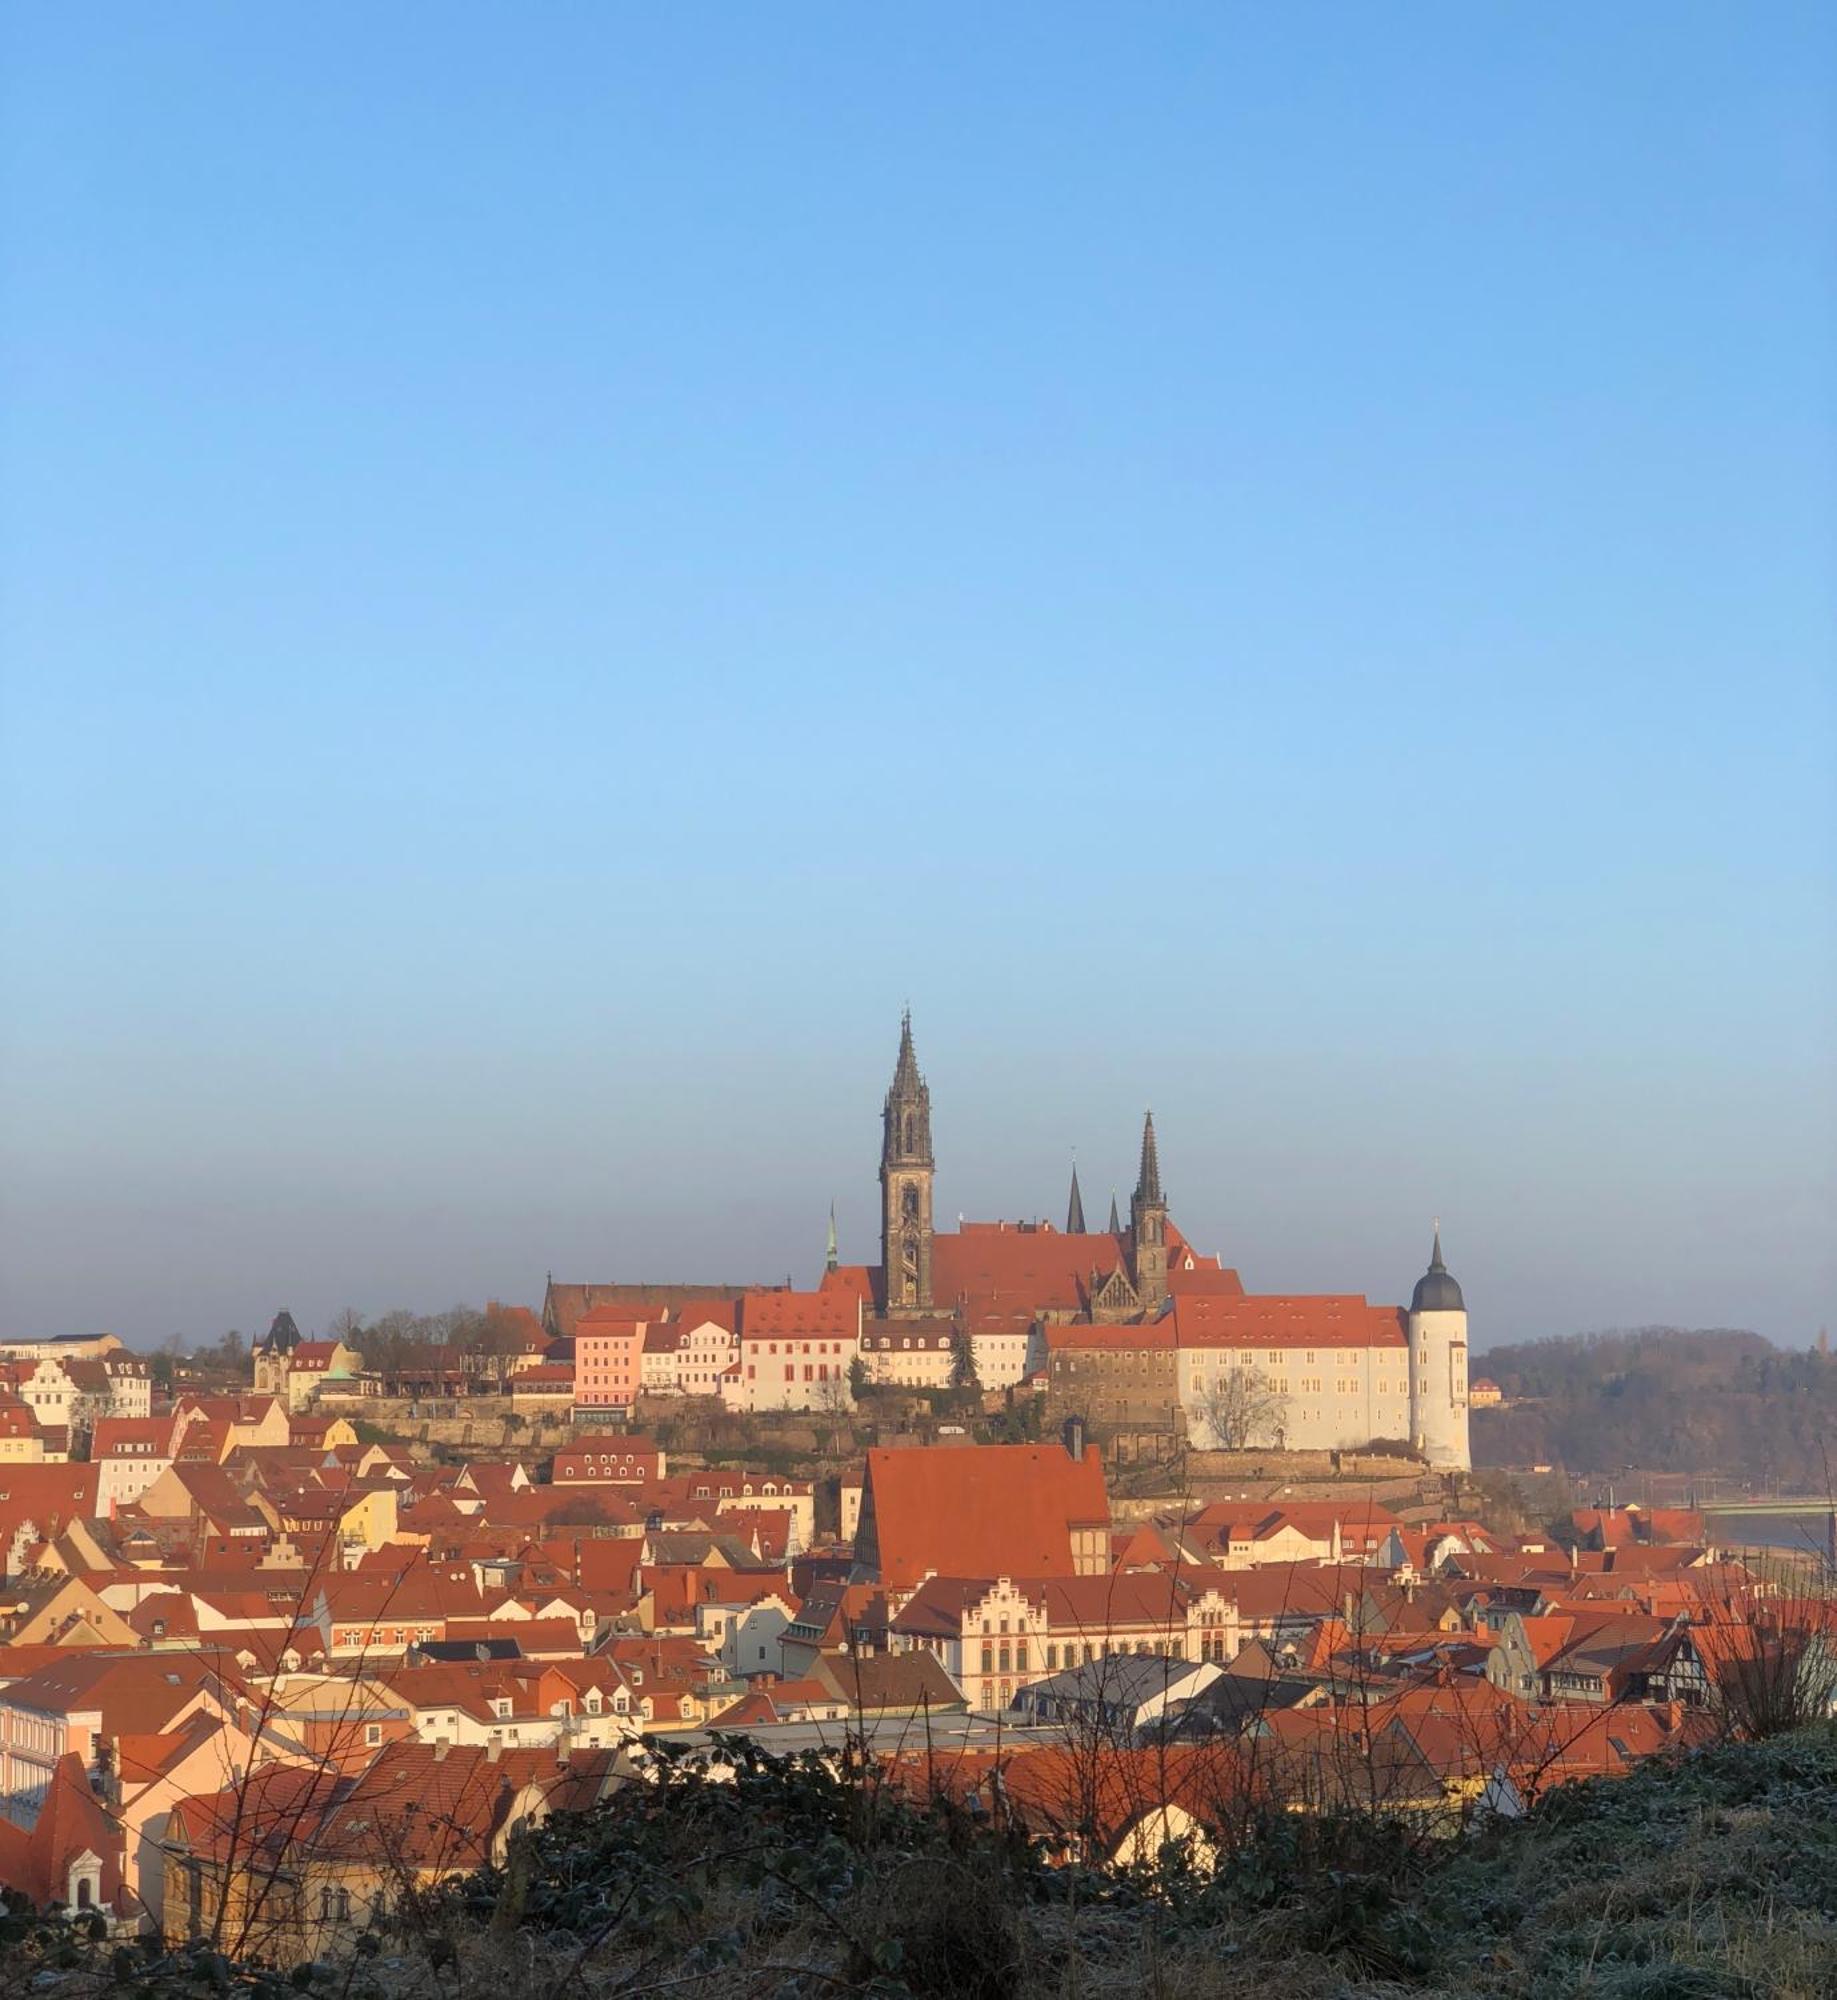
[906, 1169]
[1148, 1225]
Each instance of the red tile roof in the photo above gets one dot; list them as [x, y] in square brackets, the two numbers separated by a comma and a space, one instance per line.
[130, 1437]
[1286, 1320]
[1206, 1277]
[1031, 1266]
[1122, 1339]
[70, 1822]
[977, 1510]
[49, 1496]
[857, 1281]
[799, 1315]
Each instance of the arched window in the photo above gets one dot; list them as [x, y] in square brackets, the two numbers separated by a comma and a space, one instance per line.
[84, 1883]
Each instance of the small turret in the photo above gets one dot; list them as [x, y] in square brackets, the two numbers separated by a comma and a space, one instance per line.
[1437, 1289]
[1437, 1333]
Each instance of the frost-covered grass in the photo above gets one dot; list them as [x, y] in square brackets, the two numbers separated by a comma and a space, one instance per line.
[1705, 1878]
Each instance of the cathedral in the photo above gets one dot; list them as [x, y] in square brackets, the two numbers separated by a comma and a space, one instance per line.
[1128, 1325]
[1142, 1328]
[1110, 1275]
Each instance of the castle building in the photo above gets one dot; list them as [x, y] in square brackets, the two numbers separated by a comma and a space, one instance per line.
[1000, 1279]
[1134, 1328]
[1130, 1326]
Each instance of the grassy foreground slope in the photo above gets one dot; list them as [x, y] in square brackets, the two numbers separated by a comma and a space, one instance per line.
[1704, 1879]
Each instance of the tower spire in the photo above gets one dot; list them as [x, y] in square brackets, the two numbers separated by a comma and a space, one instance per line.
[1148, 1224]
[1148, 1181]
[1074, 1213]
[1435, 1255]
[906, 1170]
[906, 1072]
[1116, 1221]
[829, 1262]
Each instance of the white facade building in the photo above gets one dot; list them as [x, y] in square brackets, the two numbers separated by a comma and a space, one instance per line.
[1327, 1372]
[796, 1352]
[910, 1353]
[705, 1352]
[1006, 1357]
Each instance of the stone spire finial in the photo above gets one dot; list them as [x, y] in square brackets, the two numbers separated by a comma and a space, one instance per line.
[906, 1071]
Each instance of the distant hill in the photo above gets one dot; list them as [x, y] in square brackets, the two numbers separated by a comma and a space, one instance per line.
[1700, 1400]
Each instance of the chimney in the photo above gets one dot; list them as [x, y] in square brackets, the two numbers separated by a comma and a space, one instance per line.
[1073, 1433]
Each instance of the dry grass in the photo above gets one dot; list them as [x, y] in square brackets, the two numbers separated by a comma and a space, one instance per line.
[1715, 1879]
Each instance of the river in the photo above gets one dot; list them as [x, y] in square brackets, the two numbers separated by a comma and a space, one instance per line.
[1801, 1532]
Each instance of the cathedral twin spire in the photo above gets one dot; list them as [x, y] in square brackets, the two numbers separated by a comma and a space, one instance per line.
[1147, 1187]
[906, 1172]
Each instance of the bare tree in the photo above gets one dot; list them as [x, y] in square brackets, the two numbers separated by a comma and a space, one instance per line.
[1239, 1408]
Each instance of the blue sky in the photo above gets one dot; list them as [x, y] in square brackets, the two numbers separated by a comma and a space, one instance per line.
[557, 567]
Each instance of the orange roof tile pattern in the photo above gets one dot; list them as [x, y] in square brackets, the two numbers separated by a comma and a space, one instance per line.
[980, 1510]
[1287, 1320]
[799, 1315]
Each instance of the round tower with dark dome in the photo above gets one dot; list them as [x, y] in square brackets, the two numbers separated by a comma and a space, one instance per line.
[1438, 1366]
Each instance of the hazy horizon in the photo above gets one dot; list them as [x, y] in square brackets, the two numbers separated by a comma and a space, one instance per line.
[556, 571]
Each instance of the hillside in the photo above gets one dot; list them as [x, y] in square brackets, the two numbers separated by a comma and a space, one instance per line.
[1707, 1401]
[1706, 1879]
